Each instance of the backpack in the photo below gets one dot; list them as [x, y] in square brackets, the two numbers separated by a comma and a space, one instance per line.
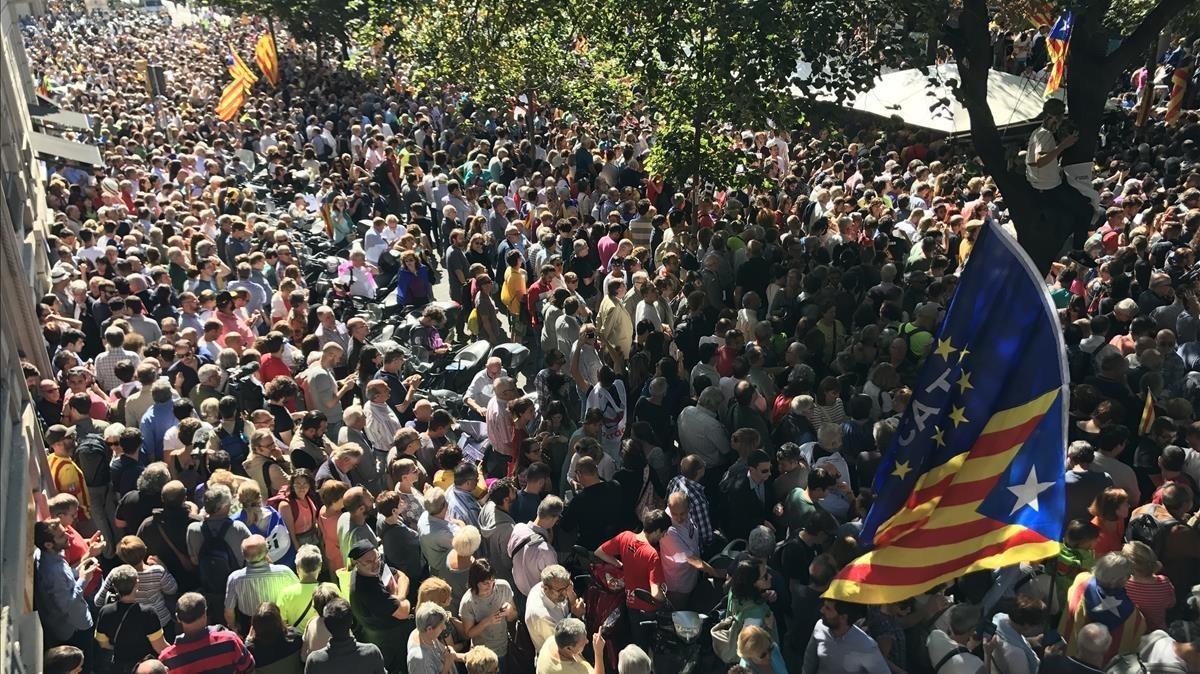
[93, 458]
[235, 444]
[907, 332]
[1151, 531]
[216, 559]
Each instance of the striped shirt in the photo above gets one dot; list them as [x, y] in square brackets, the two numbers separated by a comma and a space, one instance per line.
[153, 582]
[214, 650]
[1152, 598]
[257, 582]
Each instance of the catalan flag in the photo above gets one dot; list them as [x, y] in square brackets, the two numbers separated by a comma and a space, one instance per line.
[232, 99]
[1148, 414]
[239, 71]
[974, 477]
[267, 58]
[1057, 44]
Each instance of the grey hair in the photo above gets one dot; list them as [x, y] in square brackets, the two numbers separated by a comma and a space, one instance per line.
[308, 560]
[551, 506]
[555, 572]
[568, 632]
[1094, 640]
[659, 386]
[435, 501]
[829, 433]
[209, 372]
[227, 359]
[154, 478]
[633, 660]
[216, 499]
[430, 615]
[160, 391]
[123, 579]
[761, 541]
[711, 398]
[963, 618]
[1112, 571]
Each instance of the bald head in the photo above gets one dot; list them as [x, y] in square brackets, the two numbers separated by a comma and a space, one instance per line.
[254, 548]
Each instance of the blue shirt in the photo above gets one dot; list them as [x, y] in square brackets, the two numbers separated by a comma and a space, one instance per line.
[63, 609]
[157, 420]
[463, 506]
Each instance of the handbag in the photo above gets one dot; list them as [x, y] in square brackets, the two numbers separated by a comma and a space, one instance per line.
[724, 641]
[473, 322]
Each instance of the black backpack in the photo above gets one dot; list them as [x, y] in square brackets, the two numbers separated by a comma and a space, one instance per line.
[216, 559]
[93, 458]
[1151, 531]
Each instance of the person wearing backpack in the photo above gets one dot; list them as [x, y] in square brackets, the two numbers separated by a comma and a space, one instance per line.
[215, 547]
[232, 435]
[951, 653]
[1171, 533]
[918, 333]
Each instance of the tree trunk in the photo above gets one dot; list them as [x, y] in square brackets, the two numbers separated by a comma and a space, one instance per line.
[1091, 68]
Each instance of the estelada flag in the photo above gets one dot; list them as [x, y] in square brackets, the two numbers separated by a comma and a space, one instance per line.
[239, 71]
[267, 58]
[232, 99]
[1058, 42]
[974, 477]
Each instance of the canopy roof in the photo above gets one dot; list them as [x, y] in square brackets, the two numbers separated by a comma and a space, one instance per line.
[909, 96]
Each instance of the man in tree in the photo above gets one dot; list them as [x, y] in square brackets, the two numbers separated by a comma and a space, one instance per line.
[1043, 170]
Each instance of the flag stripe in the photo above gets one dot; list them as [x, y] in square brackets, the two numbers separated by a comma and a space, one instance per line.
[994, 449]
[267, 58]
[929, 537]
[883, 565]
[873, 593]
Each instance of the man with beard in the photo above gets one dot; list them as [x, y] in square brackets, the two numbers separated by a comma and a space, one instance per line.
[839, 646]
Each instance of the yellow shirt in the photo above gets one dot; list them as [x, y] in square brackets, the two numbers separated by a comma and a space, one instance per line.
[444, 479]
[512, 293]
[68, 479]
[548, 662]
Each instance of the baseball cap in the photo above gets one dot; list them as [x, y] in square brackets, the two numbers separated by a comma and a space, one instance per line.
[359, 549]
[58, 433]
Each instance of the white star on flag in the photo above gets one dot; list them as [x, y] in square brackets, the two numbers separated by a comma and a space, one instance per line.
[1109, 604]
[1027, 493]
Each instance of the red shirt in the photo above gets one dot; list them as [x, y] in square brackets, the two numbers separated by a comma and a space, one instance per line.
[1112, 537]
[641, 563]
[532, 294]
[215, 650]
[725, 358]
[272, 366]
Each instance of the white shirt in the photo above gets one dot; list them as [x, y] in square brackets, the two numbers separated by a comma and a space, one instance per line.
[362, 283]
[480, 389]
[542, 614]
[1046, 177]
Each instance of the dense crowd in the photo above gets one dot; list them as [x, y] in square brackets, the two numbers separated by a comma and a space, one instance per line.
[712, 379]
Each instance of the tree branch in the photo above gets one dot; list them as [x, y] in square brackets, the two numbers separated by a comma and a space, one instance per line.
[1147, 31]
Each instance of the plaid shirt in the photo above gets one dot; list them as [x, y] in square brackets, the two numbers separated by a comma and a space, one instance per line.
[697, 505]
[106, 363]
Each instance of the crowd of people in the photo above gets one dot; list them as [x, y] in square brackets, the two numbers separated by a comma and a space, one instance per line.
[713, 375]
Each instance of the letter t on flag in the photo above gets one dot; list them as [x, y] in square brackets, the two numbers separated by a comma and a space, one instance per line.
[974, 477]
